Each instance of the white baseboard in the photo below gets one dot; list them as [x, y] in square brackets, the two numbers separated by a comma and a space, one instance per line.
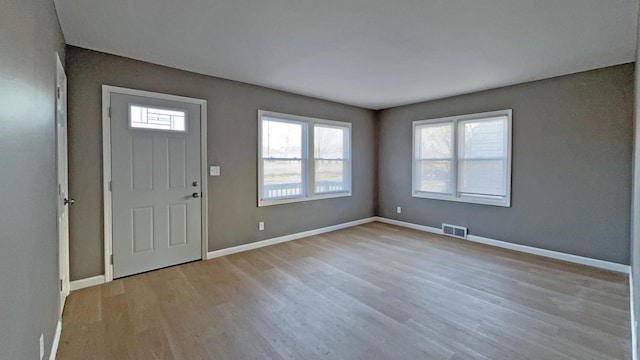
[409, 225]
[84, 283]
[634, 328]
[56, 341]
[621, 268]
[281, 239]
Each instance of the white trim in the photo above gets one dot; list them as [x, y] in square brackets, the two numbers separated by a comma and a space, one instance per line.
[56, 341]
[607, 265]
[106, 181]
[634, 329]
[106, 167]
[88, 282]
[429, 229]
[204, 173]
[455, 195]
[281, 239]
[63, 246]
[308, 158]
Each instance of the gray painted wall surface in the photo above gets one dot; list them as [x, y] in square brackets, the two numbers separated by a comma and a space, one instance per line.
[232, 144]
[572, 146]
[635, 210]
[29, 37]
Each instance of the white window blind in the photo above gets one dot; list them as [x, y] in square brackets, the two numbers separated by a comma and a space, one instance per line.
[482, 157]
[464, 158]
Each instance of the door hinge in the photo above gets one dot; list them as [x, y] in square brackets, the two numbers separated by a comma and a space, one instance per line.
[110, 186]
[109, 111]
[60, 285]
[111, 259]
[58, 92]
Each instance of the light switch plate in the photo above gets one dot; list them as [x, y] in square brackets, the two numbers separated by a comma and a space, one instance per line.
[214, 171]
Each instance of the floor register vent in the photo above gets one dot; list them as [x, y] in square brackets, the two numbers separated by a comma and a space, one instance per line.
[455, 231]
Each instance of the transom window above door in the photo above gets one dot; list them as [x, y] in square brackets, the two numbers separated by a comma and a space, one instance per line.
[144, 117]
[302, 158]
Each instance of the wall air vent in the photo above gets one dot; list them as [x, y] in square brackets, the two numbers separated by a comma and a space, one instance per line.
[454, 231]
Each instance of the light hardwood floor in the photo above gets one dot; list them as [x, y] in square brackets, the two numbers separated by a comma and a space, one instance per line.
[374, 291]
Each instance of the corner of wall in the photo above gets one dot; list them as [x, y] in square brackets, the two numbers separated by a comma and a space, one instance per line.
[376, 170]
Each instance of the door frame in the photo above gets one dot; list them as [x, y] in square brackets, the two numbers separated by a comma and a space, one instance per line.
[107, 90]
[63, 247]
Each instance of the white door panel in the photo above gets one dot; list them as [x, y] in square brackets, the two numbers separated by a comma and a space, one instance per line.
[156, 188]
[63, 181]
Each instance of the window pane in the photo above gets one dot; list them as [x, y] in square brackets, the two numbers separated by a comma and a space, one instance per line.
[329, 142]
[482, 178]
[142, 117]
[281, 139]
[435, 141]
[330, 176]
[434, 157]
[482, 154]
[331, 158]
[433, 176]
[282, 178]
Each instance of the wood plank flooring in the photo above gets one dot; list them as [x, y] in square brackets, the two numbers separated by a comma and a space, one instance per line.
[374, 291]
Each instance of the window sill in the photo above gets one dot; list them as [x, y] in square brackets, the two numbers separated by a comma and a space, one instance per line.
[463, 199]
[263, 203]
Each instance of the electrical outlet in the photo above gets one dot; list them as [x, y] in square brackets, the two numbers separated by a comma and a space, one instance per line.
[41, 346]
[261, 226]
[399, 210]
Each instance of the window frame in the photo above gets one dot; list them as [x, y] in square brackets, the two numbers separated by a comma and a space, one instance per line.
[455, 195]
[308, 150]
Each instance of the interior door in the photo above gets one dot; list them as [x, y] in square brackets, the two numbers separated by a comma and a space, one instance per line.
[63, 181]
[156, 190]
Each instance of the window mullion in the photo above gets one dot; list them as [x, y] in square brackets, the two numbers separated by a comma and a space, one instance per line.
[416, 143]
[454, 160]
[346, 156]
[311, 162]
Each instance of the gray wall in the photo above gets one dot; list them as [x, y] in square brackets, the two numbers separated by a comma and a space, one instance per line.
[232, 144]
[572, 145]
[29, 37]
[635, 211]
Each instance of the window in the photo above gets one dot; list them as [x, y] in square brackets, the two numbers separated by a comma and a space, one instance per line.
[302, 158]
[331, 157]
[464, 158]
[142, 117]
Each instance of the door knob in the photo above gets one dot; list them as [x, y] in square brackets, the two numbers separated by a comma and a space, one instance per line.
[195, 195]
[69, 201]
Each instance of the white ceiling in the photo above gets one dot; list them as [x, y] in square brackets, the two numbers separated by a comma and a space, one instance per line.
[370, 53]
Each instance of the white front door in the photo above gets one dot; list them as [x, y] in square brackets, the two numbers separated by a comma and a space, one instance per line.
[63, 181]
[156, 190]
